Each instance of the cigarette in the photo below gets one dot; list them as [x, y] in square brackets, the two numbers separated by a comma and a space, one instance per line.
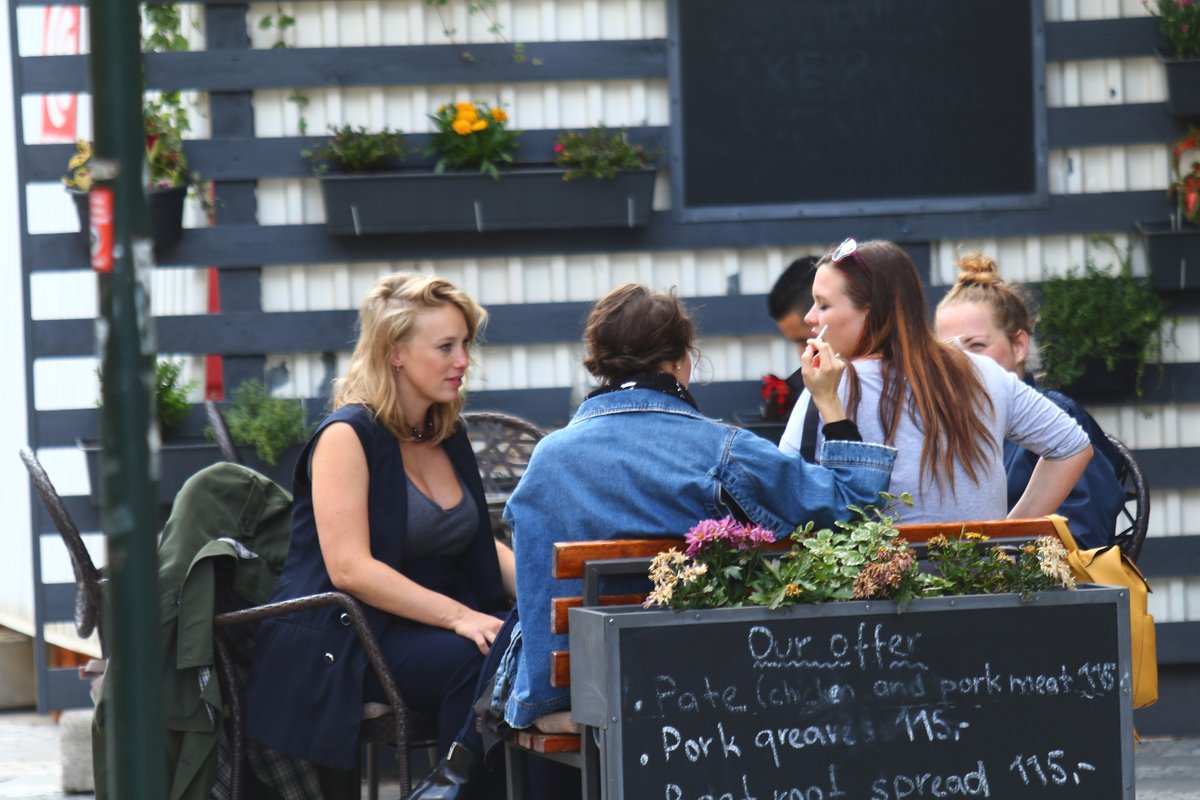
[821, 335]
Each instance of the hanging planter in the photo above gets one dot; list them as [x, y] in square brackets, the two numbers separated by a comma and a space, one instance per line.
[181, 459]
[522, 199]
[1183, 86]
[1172, 254]
[164, 209]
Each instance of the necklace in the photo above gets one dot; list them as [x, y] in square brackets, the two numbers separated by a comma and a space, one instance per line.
[423, 434]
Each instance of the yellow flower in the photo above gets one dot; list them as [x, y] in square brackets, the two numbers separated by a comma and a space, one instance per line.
[83, 179]
[499, 115]
[462, 127]
[83, 153]
[479, 125]
[442, 109]
[466, 111]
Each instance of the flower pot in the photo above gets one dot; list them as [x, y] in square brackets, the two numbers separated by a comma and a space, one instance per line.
[1172, 254]
[164, 209]
[967, 696]
[1099, 384]
[182, 459]
[1183, 86]
[523, 199]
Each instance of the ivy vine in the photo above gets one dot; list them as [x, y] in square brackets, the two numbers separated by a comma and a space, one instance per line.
[281, 23]
[485, 8]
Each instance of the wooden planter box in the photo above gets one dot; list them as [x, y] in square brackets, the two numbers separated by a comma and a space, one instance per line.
[1173, 256]
[1183, 86]
[181, 460]
[856, 700]
[523, 199]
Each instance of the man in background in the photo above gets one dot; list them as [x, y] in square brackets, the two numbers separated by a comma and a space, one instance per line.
[789, 300]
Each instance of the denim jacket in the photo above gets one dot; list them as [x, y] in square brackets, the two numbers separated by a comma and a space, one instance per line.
[641, 463]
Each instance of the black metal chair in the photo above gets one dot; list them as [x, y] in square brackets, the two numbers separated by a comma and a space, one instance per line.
[392, 723]
[1132, 524]
[89, 582]
[503, 444]
[216, 421]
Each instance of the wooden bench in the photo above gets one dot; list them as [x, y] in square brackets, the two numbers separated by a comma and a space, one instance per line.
[594, 560]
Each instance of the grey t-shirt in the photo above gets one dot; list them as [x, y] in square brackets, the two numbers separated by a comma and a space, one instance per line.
[1020, 414]
[436, 531]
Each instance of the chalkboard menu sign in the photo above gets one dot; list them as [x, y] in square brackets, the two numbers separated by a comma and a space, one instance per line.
[788, 108]
[1011, 700]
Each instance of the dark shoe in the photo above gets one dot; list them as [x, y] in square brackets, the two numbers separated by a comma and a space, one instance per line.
[448, 779]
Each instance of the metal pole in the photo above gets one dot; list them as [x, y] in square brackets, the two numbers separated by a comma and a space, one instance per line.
[122, 256]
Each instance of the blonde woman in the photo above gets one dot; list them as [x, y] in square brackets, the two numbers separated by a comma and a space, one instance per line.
[991, 317]
[389, 508]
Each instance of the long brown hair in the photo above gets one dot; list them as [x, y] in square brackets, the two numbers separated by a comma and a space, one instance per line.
[388, 317]
[949, 400]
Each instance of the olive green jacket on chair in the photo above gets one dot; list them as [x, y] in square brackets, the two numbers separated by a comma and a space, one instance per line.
[224, 511]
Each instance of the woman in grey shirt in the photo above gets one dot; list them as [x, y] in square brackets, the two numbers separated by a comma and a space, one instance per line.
[946, 411]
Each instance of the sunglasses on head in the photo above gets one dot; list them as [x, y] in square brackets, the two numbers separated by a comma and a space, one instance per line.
[844, 250]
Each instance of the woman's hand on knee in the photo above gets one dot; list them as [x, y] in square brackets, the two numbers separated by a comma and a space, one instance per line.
[479, 628]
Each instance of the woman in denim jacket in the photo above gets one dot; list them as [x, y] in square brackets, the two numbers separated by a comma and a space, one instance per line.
[638, 459]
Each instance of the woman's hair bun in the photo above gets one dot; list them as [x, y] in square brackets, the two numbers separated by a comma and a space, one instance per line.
[977, 269]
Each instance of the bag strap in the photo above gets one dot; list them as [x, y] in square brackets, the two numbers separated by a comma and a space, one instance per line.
[1060, 527]
[1064, 533]
[808, 435]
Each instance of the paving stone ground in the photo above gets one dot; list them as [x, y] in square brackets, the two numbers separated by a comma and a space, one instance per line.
[30, 766]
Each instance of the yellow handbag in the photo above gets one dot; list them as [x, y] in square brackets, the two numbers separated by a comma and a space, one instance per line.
[1109, 566]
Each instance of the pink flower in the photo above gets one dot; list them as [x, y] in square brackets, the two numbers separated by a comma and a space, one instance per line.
[558, 148]
[707, 532]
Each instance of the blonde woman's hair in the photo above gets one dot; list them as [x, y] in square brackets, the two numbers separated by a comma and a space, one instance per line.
[387, 318]
[979, 282]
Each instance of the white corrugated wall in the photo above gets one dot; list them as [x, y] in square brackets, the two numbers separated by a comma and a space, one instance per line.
[16, 577]
[587, 277]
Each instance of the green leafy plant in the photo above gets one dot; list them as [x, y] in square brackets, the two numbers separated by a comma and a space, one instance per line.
[597, 153]
[165, 122]
[271, 424]
[486, 9]
[863, 558]
[171, 402]
[358, 150]
[472, 136]
[968, 565]
[282, 22]
[1096, 314]
[1179, 21]
[727, 564]
[171, 394]
[167, 165]
[165, 117]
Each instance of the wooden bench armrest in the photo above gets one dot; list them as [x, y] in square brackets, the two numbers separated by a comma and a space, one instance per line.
[570, 558]
[993, 529]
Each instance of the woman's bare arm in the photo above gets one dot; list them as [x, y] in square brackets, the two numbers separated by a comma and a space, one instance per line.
[340, 481]
[1050, 484]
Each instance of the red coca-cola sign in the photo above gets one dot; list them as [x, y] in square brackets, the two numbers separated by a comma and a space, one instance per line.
[100, 212]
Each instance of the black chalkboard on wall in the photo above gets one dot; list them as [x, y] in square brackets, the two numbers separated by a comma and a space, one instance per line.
[966, 697]
[827, 107]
